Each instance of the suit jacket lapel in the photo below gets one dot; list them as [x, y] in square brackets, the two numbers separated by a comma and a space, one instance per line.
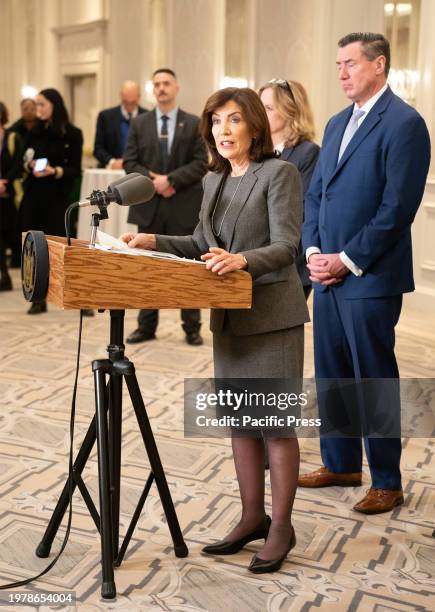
[369, 123]
[212, 187]
[365, 128]
[213, 184]
[333, 146]
[286, 154]
[243, 193]
[179, 127]
[151, 131]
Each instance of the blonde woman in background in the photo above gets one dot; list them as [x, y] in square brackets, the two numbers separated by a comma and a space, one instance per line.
[292, 127]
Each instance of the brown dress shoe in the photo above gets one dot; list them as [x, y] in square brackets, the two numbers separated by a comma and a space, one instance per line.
[377, 501]
[325, 478]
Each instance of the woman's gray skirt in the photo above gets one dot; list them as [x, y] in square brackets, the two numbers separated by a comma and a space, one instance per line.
[273, 355]
[276, 354]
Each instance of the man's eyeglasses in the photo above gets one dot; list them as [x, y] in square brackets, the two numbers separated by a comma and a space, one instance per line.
[284, 85]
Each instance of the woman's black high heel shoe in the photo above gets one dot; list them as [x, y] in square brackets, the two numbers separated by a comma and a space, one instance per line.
[231, 548]
[262, 566]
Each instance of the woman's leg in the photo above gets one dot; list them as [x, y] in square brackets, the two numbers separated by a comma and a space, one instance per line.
[249, 462]
[284, 457]
[284, 472]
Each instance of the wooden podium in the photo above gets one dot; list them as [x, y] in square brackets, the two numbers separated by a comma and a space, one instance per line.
[80, 277]
[90, 278]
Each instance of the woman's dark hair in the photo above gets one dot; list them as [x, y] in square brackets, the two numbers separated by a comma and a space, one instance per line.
[60, 118]
[253, 113]
[4, 114]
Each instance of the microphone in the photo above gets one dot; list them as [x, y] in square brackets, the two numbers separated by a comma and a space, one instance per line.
[137, 190]
[122, 179]
[128, 190]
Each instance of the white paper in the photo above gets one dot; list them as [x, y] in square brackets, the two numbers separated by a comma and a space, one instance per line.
[106, 242]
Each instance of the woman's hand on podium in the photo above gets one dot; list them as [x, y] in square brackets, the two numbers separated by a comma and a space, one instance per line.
[140, 241]
[221, 262]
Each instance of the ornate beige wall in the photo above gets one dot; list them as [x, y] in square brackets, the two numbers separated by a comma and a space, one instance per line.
[81, 11]
[297, 40]
[424, 224]
[195, 37]
[117, 40]
[27, 48]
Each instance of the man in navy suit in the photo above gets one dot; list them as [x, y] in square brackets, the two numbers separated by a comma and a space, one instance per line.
[364, 194]
[113, 125]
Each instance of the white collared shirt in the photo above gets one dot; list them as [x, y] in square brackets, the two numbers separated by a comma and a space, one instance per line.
[125, 114]
[367, 107]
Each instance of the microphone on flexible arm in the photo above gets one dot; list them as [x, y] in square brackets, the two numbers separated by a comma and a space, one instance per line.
[128, 190]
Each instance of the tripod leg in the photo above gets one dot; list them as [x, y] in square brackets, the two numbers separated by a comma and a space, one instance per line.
[44, 547]
[108, 590]
[115, 429]
[180, 547]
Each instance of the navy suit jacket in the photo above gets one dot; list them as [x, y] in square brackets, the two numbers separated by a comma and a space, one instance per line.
[304, 156]
[365, 204]
[108, 135]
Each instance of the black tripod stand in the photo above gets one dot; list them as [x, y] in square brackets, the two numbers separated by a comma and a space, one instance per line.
[106, 429]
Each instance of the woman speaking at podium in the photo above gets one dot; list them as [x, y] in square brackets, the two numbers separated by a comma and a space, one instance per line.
[250, 219]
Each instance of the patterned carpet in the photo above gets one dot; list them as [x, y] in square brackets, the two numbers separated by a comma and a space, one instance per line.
[342, 561]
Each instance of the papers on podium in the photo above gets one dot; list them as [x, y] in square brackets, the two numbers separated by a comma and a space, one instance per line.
[106, 242]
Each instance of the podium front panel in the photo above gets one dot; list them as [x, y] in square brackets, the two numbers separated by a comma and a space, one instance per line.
[90, 278]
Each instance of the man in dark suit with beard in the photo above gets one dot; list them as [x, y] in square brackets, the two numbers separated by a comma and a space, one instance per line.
[113, 125]
[166, 146]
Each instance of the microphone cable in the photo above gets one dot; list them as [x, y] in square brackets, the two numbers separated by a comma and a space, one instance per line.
[67, 221]
[21, 583]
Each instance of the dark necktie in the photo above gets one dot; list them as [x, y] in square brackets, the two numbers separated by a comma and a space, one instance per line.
[163, 140]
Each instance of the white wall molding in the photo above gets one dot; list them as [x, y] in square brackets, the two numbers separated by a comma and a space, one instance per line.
[90, 26]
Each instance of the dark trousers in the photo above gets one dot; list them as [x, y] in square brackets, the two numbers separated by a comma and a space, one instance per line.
[148, 319]
[354, 339]
[10, 230]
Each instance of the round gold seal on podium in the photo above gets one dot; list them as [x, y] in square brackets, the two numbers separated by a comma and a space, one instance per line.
[35, 266]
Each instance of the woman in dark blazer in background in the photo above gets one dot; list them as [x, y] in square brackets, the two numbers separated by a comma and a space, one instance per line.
[46, 193]
[292, 127]
[250, 219]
